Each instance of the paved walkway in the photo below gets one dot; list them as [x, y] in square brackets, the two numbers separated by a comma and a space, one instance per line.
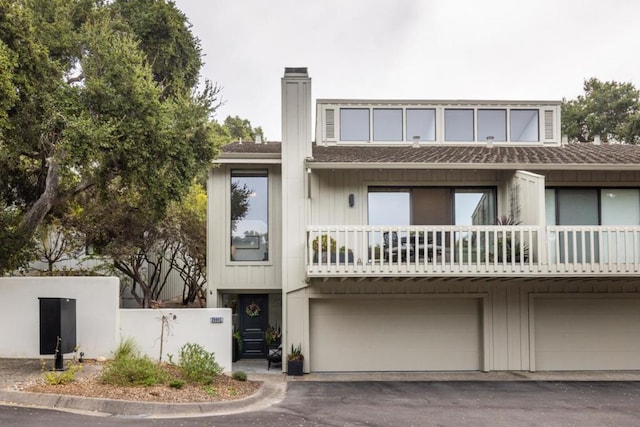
[14, 372]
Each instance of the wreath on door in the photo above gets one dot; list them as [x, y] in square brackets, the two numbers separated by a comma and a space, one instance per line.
[252, 310]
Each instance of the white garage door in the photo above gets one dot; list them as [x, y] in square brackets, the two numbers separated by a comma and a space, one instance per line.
[587, 333]
[416, 334]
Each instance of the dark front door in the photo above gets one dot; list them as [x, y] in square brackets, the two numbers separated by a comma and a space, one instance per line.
[254, 320]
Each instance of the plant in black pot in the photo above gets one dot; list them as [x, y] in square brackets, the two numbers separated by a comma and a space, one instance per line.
[295, 361]
[237, 345]
[322, 245]
[346, 255]
[508, 247]
[273, 340]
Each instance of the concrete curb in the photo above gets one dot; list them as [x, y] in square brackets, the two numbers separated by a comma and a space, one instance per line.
[268, 394]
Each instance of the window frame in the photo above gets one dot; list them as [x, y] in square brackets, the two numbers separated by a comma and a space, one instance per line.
[268, 174]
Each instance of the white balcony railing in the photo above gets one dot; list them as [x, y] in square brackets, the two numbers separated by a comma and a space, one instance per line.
[409, 251]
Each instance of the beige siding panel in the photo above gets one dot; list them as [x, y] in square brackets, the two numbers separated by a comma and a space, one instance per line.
[418, 334]
[223, 274]
[587, 333]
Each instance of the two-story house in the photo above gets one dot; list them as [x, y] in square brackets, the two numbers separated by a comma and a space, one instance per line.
[429, 235]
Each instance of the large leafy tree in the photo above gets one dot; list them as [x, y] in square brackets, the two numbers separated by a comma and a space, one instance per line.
[96, 98]
[241, 129]
[608, 109]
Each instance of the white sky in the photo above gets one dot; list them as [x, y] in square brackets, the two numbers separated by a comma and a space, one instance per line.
[412, 49]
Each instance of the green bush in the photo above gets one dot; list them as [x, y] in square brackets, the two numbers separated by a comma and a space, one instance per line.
[63, 377]
[197, 365]
[178, 384]
[126, 348]
[132, 371]
[240, 375]
[129, 369]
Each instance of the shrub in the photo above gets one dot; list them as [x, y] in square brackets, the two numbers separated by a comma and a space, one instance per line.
[129, 369]
[240, 375]
[198, 365]
[177, 384]
[126, 348]
[132, 371]
[63, 377]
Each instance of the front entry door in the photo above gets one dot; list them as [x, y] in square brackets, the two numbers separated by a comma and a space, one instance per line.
[254, 320]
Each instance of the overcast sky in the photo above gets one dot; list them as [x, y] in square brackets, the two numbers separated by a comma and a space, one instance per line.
[413, 49]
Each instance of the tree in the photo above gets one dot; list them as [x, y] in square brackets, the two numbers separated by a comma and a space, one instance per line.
[56, 242]
[241, 129]
[187, 229]
[96, 100]
[608, 109]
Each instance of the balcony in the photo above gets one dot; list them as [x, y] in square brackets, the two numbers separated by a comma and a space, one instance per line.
[471, 251]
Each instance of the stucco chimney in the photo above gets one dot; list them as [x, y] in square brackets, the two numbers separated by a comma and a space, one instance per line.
[596, 140]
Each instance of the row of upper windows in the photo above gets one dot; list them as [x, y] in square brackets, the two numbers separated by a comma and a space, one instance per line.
[389, 125]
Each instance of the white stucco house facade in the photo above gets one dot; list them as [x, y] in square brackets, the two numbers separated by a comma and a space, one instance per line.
[419, 235]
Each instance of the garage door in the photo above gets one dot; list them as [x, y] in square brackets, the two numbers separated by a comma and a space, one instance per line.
[587, 333]
[395, 335]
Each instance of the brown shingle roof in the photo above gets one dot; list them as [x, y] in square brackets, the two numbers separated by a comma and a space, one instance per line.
[252, 147]
[569, 154]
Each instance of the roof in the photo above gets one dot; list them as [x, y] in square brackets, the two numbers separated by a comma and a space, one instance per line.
[569, 156]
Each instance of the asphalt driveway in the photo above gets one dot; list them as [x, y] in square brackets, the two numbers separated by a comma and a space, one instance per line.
[454, 403]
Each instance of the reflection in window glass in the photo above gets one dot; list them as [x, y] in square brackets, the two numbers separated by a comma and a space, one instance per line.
[492, 123]
[249, 215]
[620, 206]
[458, 125]
[524, 125]
[475, 207]
[578, 207]
[380, 203]
[422, 123]
[387, 124]
[354, 124]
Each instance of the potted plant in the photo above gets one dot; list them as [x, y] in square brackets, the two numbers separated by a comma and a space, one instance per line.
[345, 255]
[272, 340]
[295, 361]
[324, 244]
[272, 336]
[508, 247]
[236, 348]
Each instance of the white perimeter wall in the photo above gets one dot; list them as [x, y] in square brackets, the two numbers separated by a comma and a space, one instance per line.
[100, 323]
[191, 325]
[97, 302]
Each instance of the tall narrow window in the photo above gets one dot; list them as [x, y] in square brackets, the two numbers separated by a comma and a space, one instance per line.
[249, 215]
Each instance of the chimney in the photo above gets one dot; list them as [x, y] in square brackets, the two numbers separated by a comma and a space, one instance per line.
[258, 139]
[596, 140]
[296, 114]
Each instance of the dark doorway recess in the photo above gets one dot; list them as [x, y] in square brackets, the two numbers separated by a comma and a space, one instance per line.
[254, 320]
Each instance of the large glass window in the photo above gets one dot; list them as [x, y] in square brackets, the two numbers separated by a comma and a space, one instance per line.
[524, 126]
[421, 122]
[620, 206]
[431, 206]
[379, 202]
[249, 215]
[458, 125]
[475, 207]
[492, 123]
[354, 124]
[387, 124]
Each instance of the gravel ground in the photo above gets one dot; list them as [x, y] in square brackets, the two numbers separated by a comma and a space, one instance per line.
[87, 384]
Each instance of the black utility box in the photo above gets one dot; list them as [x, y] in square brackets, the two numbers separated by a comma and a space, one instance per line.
[57, 319]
